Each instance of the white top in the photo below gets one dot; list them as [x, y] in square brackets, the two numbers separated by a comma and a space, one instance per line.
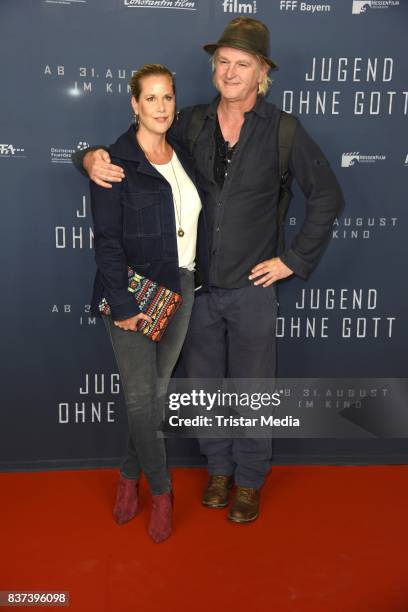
[187, 206]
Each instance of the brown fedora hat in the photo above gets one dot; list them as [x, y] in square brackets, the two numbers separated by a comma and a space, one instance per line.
[246, 34]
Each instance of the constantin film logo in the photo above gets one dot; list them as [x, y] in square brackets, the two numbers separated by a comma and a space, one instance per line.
[304, 7]
[11, 151]
[350, 159]
[63, 156]
[181, 5]
[360, 6]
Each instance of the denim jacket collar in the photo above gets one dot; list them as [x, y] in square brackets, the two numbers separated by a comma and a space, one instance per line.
[127, 148]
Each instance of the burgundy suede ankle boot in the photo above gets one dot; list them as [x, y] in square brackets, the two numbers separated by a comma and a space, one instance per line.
[161, 517]
[126, 500]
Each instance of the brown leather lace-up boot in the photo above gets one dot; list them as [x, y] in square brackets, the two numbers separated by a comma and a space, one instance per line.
[217, 491]
[245, 507]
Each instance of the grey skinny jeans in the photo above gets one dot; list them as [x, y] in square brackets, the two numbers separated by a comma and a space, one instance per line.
[145, 368]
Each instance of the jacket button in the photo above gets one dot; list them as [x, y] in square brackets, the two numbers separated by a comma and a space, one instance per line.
[219, 204]
[217, 229]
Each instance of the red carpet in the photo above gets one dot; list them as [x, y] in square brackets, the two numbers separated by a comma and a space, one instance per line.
[329, 539]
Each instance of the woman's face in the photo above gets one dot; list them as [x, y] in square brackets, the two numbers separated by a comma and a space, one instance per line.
[156, 104]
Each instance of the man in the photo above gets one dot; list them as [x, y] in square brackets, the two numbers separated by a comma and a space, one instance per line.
[232, 329]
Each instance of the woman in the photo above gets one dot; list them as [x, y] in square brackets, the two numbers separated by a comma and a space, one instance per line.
[148, 222]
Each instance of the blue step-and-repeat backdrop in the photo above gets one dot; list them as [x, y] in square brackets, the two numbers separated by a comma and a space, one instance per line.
[64, 83]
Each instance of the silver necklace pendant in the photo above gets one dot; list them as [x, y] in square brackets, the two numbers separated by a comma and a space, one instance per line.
[180, 232]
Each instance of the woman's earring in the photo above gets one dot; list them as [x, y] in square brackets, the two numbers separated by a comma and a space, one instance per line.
[136, 120]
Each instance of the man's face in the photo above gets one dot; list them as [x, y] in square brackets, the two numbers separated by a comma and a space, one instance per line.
[237, 74]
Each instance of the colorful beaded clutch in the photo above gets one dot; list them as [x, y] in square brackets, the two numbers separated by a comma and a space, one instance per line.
[160, 303]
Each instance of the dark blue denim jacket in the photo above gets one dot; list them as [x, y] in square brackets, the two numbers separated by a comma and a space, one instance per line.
[134, 225]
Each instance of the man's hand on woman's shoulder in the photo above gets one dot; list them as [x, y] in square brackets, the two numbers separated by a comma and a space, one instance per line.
[101, 170]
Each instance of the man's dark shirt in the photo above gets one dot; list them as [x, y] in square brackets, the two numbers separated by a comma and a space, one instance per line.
[223, 156]
[241, 212]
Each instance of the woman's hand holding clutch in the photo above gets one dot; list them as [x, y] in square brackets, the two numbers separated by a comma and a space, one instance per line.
[132, 323]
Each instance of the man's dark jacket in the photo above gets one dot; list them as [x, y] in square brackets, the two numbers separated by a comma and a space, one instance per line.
[242, 215]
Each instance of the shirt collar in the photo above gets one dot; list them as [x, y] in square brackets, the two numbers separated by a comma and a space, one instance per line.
[260, 107]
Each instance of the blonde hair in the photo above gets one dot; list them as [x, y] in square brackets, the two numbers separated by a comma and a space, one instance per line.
[266, 81]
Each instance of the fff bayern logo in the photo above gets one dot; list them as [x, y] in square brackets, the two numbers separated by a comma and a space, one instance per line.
[308, 7]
